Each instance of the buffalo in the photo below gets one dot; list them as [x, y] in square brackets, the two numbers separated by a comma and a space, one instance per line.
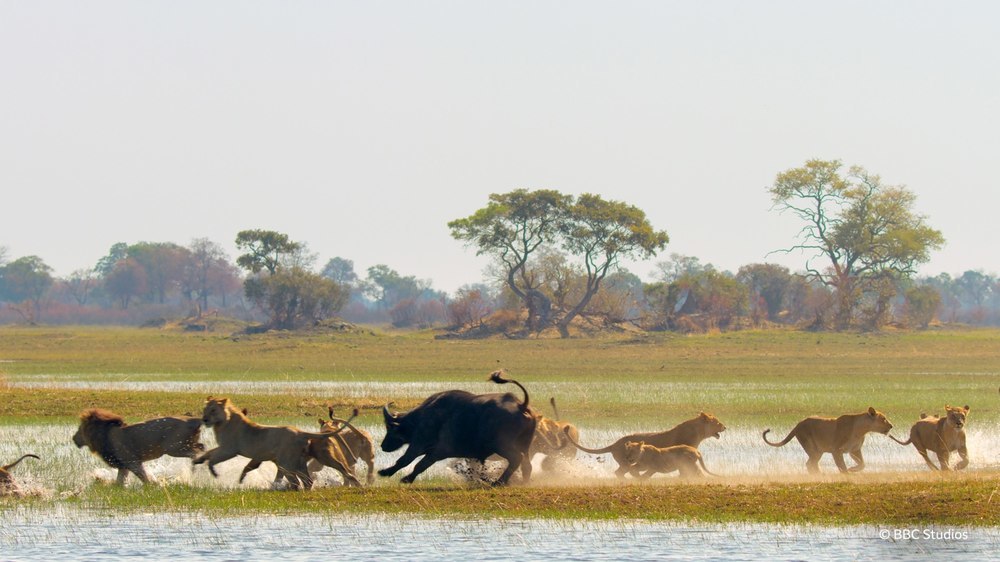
[459, 424]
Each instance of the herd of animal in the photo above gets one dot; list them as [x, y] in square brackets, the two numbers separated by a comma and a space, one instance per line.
[460, 424]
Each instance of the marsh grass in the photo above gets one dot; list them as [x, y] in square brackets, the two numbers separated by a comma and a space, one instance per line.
[962, 500]
[608, 387]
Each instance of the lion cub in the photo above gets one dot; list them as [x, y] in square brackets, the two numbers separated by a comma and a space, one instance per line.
[684, 458]
[941, 435]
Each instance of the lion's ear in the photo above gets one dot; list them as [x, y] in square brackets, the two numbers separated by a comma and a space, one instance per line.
[966, 408]
[871, 411]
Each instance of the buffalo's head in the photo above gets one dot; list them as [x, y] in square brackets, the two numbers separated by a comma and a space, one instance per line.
[394, 435]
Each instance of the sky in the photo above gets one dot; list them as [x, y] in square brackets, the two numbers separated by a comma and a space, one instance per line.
[363, 128]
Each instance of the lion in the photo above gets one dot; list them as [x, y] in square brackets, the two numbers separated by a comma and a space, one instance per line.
[126, 446]
[287, 447]
[357, 443]
[691, 432]
[836, 436]
[683, 458]
[550, 440]
[7, 484]
[942, 436]
[350, 446]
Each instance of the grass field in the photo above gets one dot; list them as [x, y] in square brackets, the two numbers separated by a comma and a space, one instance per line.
[627, 382]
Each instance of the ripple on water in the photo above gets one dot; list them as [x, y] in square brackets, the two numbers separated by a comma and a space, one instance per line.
[32, 534]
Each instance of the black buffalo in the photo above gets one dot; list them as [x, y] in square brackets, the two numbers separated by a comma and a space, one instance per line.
[459, 424]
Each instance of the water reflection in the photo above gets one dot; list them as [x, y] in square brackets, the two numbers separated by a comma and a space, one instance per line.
[32, 534]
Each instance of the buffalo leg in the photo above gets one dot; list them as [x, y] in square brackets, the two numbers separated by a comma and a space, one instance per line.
[515, 460]
[424, 464]
[409, 456]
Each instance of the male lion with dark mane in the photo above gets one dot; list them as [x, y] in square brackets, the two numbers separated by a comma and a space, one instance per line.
[126, 446]
[836, 436]
[649, 460]
[691, 432]
[940, 435]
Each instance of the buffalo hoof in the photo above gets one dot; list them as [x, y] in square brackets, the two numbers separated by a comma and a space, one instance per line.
[386, 472]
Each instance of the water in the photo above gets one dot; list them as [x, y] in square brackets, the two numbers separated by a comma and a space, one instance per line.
[50, 534]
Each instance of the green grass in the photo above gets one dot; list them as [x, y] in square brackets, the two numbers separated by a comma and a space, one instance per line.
[966, 500]
[747, 378]
[743, 377]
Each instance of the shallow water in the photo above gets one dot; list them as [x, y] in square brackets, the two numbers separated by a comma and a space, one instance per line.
[740, 453]
[31, 534]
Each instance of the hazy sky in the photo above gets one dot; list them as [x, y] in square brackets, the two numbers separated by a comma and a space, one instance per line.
[362, 128]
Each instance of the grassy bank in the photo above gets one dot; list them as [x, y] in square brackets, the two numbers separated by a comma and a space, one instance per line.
[927, 499]
[751, 377]
[751, 380]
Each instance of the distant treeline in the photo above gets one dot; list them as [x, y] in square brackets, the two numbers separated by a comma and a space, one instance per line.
[147, 282]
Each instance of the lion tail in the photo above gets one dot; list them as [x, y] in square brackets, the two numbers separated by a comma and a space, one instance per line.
[569, 439]
[893, 437]
[783, 442]
[13, 464]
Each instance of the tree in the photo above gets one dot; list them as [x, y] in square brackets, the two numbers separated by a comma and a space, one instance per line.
[279, 283]
[23, 283]
[768, 285]
[80, 285]
[164, 263]
[514, 226]
[922, 303]
[602, 233]
[207, 272]
[125, 281]
[862, 231]
[388, 288]
[511, 228]
[295, 298]
[340, 270]
[117, 253]
[265, 249]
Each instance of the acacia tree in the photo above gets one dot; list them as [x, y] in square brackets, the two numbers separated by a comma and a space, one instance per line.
[511, 228]
[862, 231]
[602, 233]
[516, 225]
[265, 249]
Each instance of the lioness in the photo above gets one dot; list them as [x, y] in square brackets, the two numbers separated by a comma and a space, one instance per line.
[550, 440]
[642, 457]
[350, 445]
[358, 443]
[126, 446]
[836, 436]
[287, 447]
[691, 432]
[941, 435]
[7, 483]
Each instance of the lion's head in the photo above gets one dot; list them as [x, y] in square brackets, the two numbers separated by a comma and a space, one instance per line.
[217, 411]
[711, 425]
[95, 432]
[877, 422]
[956, 415]
[633, 452]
